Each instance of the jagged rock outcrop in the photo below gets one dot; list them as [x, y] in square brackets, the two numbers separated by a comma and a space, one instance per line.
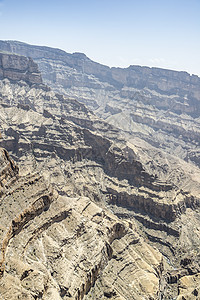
[100, 175]
[8, 172]
[16, 68]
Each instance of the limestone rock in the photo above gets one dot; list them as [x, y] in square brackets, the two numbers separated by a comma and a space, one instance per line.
[16, 68]
[189, 287]
[61, 248]
[160, 106]
[94, 212]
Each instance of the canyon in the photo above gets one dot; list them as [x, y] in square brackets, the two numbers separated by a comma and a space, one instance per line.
[160, 106]
[102, 200]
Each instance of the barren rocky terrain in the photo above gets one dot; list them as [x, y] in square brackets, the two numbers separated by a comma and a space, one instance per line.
[90, 209]
[160, 106]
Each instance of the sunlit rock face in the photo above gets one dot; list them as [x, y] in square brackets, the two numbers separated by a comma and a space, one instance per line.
[89, 211]
[16, 68]
[57, 247]
[160, 106]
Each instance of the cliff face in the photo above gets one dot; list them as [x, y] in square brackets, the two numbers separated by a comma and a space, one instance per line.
[81, 216]
[16, 68]
[65, 248]
[161, 80]
[160, 106]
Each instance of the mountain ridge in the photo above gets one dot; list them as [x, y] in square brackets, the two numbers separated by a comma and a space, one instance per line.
[7, 43]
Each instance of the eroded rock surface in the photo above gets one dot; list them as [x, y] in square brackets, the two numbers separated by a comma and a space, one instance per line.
[16, 68]
[85, 186]
[58, 247]
[160, 106]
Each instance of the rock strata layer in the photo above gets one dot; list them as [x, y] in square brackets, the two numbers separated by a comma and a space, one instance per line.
[160, 106]
[16, 68]
[91, 212]
[65, 248]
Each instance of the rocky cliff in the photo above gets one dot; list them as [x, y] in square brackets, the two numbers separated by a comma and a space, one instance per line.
[65, 248]
[160, 106]
[16, 68]
[92, 212]
[160, 80]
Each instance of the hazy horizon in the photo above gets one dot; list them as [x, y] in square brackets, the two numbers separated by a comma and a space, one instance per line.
[146, 33]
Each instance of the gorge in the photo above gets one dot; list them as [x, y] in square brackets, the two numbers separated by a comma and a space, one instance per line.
[100, 178]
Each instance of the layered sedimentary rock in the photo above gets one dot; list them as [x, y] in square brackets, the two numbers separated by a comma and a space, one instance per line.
[98, 175]
[160, 80]
[16, 68]
[65, 248]
[160, 106]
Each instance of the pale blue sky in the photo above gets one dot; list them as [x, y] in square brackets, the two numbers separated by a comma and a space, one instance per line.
[160, 33]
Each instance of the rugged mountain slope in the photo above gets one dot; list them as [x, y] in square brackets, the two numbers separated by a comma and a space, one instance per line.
[58, 247]
[36, 216]
[79, 155]
[160, 106]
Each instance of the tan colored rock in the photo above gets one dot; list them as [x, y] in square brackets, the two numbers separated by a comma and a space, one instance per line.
[65, 247]
[63, 251]
[75, 244]
[189, 287]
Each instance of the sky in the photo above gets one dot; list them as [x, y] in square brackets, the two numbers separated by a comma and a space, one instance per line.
[154, 33]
